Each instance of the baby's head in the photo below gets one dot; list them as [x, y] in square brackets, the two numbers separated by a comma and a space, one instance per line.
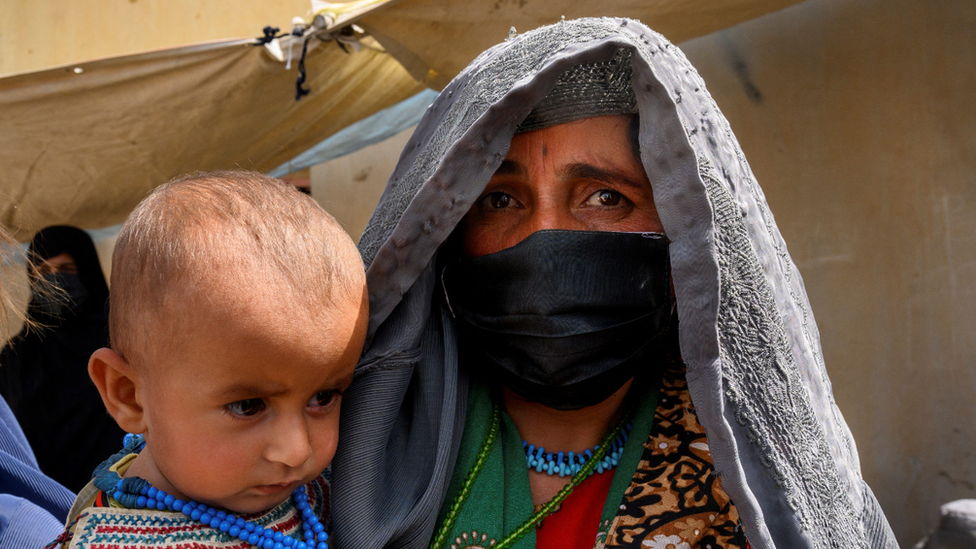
[237, 315]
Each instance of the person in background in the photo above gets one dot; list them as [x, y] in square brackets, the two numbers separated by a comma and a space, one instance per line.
[44, 369]
[32, 505]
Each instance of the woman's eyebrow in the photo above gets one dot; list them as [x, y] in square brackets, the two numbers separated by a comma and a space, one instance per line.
[583, 170]
[511, 167]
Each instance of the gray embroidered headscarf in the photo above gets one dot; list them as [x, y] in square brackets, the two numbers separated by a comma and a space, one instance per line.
[754, 364]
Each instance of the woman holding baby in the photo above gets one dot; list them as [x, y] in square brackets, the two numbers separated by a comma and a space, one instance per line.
[585, 329]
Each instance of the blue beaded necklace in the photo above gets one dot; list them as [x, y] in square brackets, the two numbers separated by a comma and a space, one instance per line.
[569, 464]
[138, 493]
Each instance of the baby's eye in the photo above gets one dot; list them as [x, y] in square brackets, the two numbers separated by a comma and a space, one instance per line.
[496, 200]
[322, 399]
[605, 198]
[247, 407]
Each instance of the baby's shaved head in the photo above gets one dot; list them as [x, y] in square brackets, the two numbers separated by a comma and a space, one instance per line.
[210, 239]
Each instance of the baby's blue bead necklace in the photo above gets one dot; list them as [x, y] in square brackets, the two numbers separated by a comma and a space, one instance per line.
[138, 493]
[148, 497]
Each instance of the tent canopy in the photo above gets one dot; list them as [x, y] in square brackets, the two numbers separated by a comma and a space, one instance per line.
[83, 144]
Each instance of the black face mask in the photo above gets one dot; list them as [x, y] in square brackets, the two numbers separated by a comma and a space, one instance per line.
[63, 297]
[563, 318]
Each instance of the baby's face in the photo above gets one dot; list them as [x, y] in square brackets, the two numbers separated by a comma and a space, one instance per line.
[244, 408]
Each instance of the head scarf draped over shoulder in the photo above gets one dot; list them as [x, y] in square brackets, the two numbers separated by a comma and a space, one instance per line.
[748, 337]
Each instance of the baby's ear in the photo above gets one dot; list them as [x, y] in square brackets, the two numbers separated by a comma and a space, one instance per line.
[118, 382]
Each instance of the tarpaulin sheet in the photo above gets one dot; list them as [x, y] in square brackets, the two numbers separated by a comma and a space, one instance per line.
[372, 129]
[435, 39]
[83, 144]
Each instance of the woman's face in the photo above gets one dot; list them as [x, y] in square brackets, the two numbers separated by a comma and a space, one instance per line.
[61, 263]
[581, 175]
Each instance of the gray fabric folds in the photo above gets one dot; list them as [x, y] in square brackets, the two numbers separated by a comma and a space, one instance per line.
[748, 336]
[584, 91]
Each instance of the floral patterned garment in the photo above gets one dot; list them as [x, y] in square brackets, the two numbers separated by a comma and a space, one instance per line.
[675, 500]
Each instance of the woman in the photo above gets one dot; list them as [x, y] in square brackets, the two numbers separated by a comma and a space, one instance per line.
[522, 289]
[44, 373]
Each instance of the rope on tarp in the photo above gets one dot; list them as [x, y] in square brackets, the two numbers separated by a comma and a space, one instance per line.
[299, 90]
[343, 37]
[270, 33]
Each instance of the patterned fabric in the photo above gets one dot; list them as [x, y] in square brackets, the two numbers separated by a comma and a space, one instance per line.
[500, 503]
[675, 499]
[672, 500]
[119, 528]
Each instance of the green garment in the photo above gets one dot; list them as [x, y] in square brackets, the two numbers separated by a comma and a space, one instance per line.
[500, 499]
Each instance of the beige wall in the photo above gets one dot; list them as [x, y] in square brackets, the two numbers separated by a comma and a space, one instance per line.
[38, 34]
[858, 121]
[349, 187]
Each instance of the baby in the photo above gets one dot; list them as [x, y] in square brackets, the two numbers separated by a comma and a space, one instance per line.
[237, 315]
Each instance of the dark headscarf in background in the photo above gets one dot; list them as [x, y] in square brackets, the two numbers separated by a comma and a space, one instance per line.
[44, 371]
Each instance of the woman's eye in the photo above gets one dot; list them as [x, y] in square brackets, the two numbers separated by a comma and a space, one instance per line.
[605, 198]
[497, 200]
[322, 399]
[246, 407]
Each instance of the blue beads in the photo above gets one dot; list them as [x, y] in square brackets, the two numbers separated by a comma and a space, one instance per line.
[570, 463]
[136, 492]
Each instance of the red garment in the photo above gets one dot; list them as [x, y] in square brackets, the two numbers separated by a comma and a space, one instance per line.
[576, 523]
